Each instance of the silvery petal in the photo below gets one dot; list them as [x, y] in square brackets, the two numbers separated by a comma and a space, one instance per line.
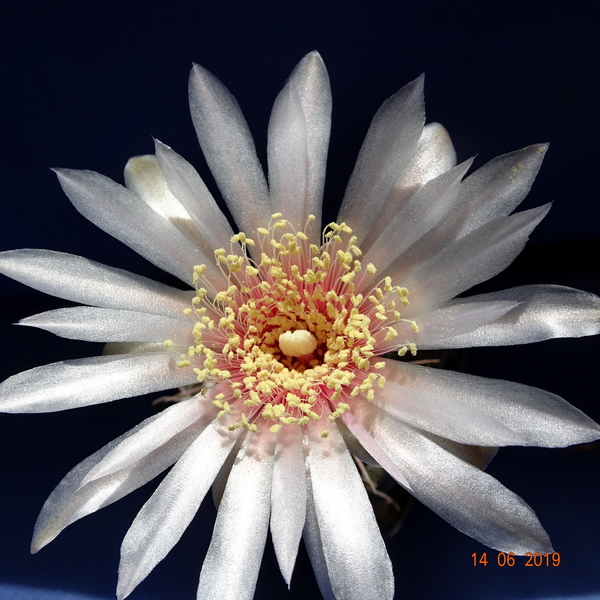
[347, 526]
[288, 498]
[82, 280]
[473, 259]
[425, 209]
[434, 155]
[112, 325]
[449, 321]
[70, 501]
[386, 153]
[480, 411]
[231, 566]
[187, 186]
[297, 145]
[314, 544]
[498, 187]
[229, 150]
[163, 519]
[198, 409]
[86, 381]
[114, 208]
[469, 499]
[544, 312]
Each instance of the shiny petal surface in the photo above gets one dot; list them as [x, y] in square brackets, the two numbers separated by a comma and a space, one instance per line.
[481, 411]
[173, 420]
[347, 526]
[498, 187]
[288, 498]
[86, 381]
[111, 325]
[314, 544]
[386, 153]
[434, 155]
[469, 499]
[187, 186]
[297, 144]
[71, 501]
[229, 150]
[544, 312]
[163, 519]
[82, 280]
[114, 208]
[471, 260]
[230, 569]
[428, 207]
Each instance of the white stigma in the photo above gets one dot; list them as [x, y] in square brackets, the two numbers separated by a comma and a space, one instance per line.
[297, 343]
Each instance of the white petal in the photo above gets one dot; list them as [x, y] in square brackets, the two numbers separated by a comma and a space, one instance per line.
[314, 545]
[122, 214]
[83, 280]
[86, 381]
[387, 151]
[231, 566]
[474, 258]
[163, 519]
[173, 420]
[111, 325]
[481, 411]
[544, 312]
[229, 150]
[498, 187]
[434, 155]
[70, 501]
[426, 209]
[357, 561]
[187, 186]
[288, 498]
[449, 321]
[469, 499]
[297, 145]
[373, 448]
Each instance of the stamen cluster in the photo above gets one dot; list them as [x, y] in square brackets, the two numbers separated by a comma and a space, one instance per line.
[293, 286]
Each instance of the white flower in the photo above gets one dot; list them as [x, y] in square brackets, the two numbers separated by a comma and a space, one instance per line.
[284, 333]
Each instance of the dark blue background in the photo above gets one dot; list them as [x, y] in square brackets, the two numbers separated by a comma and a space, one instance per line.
[86, 85]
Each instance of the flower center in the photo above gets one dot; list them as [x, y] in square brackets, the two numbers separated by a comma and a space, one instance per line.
[290, 335]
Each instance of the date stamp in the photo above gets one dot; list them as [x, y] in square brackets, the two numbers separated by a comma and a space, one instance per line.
[531, 559]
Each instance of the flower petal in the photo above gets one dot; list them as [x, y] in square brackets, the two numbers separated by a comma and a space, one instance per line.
[544, 312]
[434, 155]
[425, 209]
[114, 208]
[163, 519]
[347, 526]
[82, 280]
[187, 186]
[469, 499]
[173, 420]
[473, 259]
[288, 498]
[314, 545]
[387, 151]
[86, 381]
[111, 325]
[448, 321]
[71, 501]
[498, 187]
[481, 411]
[231, 566]
[297, 146]
[229, 150]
